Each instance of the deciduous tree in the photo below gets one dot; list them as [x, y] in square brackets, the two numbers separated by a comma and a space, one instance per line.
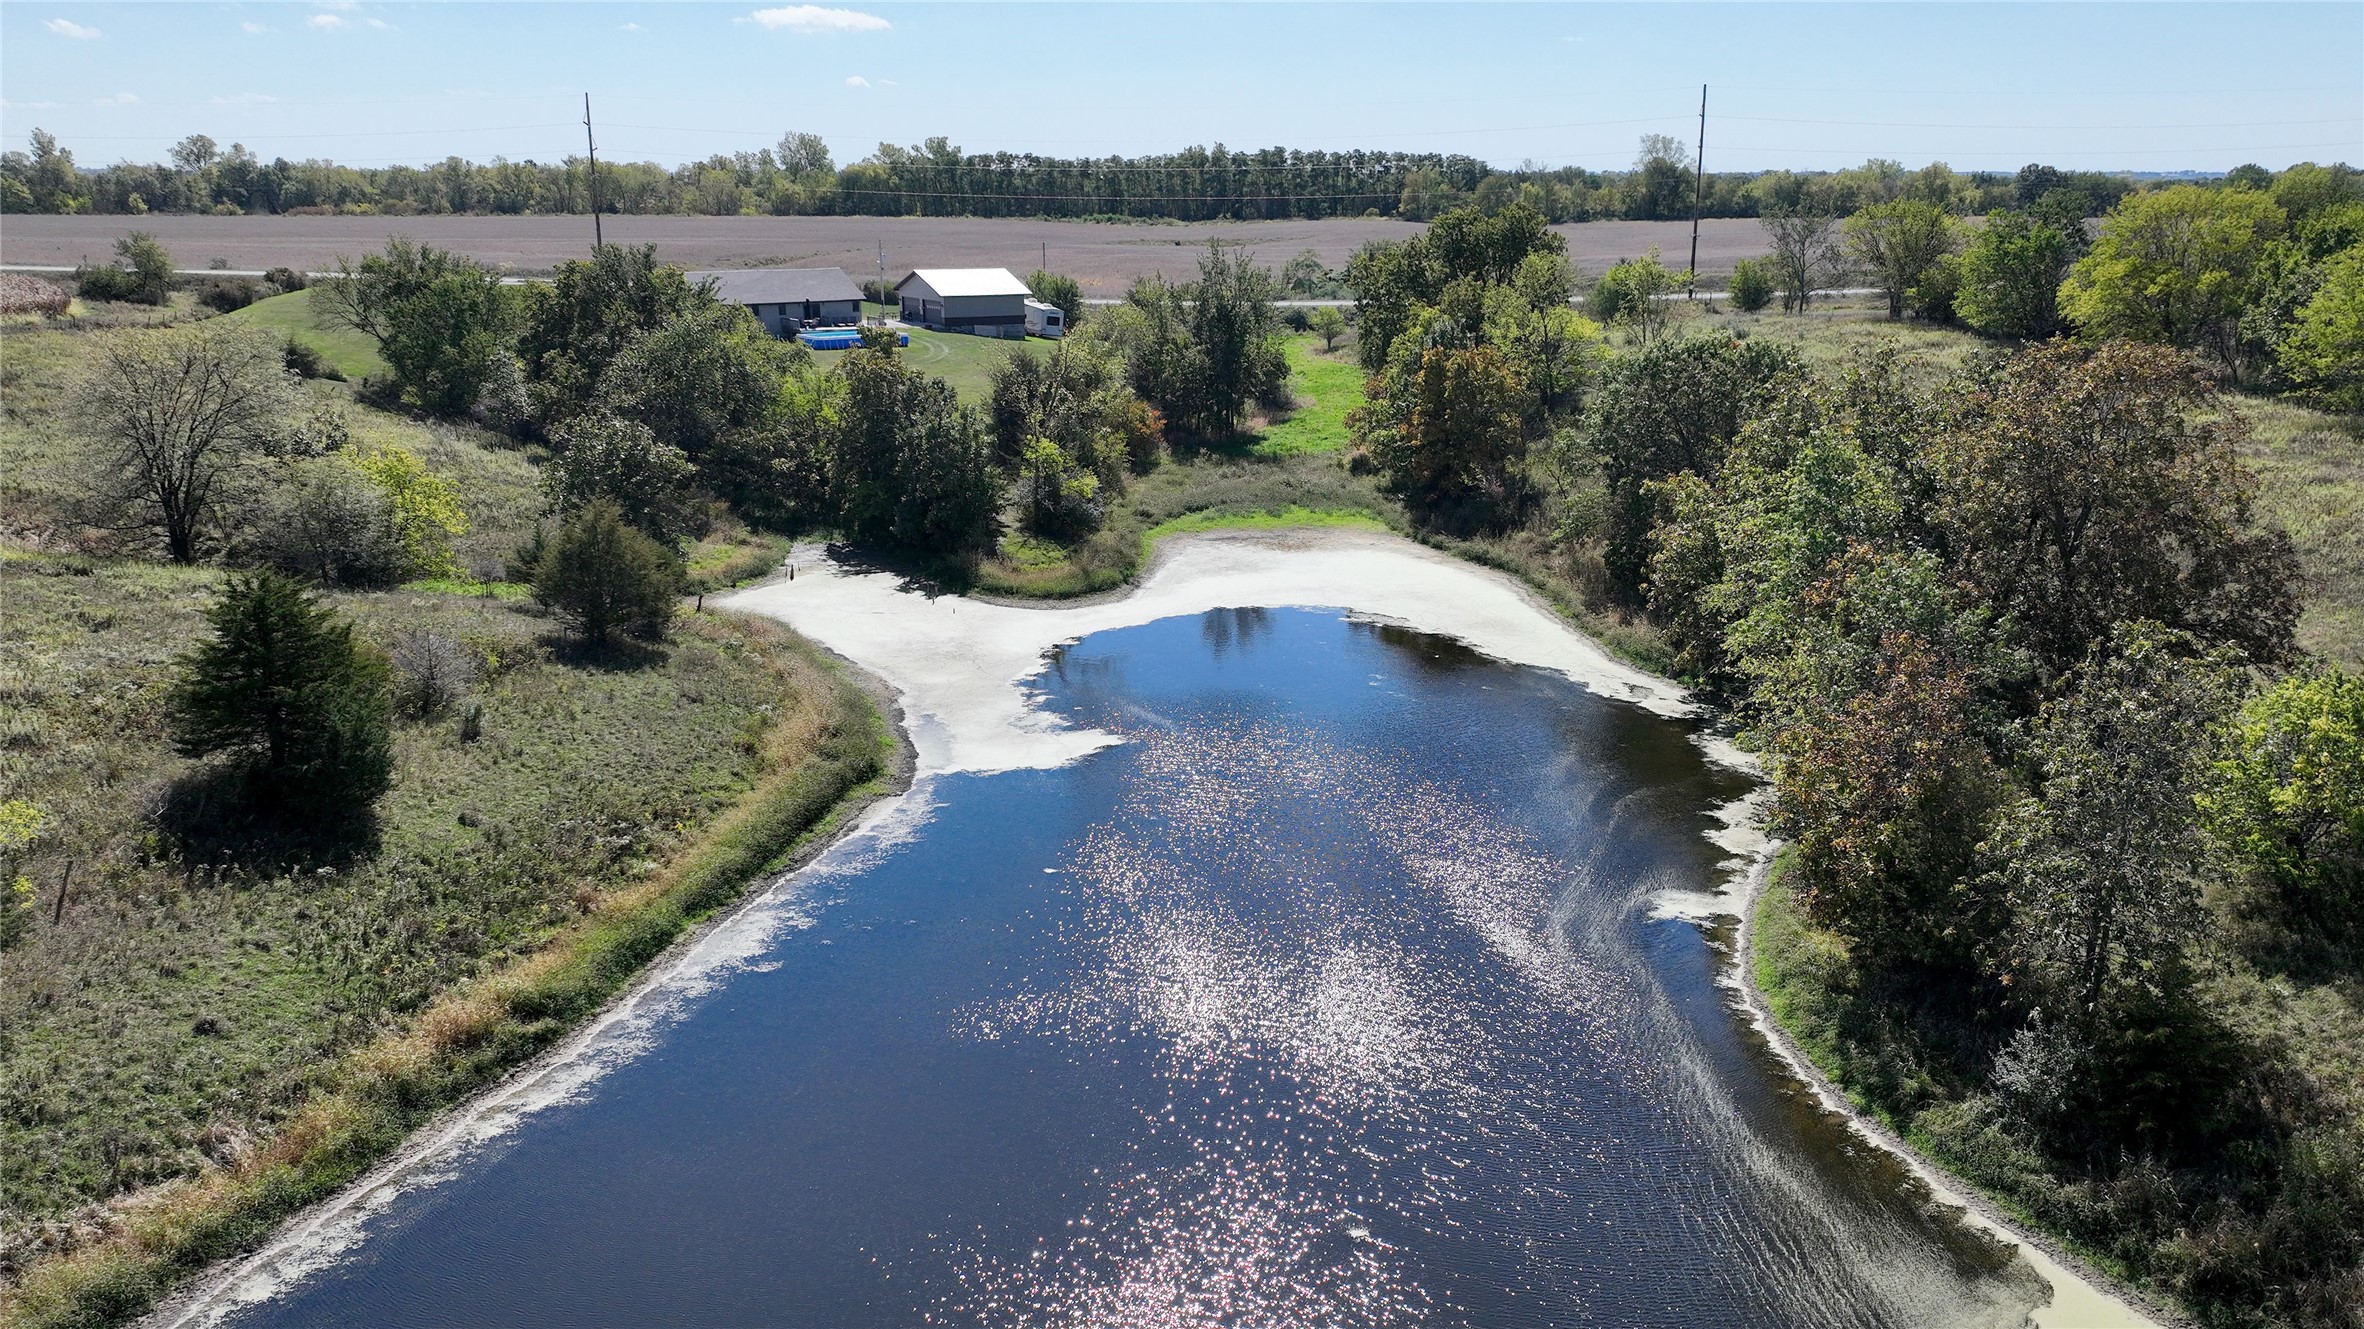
[180, 414]
[1899, 242]
[2175, 266]
[2287, 801]
[2101, 865]
[2011, 275]
[440, 319]
[2088, 485]
[650, 483]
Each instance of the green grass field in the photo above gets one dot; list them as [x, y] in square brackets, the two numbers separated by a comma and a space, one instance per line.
[1327, 385]
[348, 352]
[966, 362]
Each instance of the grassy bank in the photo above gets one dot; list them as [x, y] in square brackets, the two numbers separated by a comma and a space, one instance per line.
[1327, 385]
[212, 1022]
[1209, 488]
[232, 1042]
[348, 352]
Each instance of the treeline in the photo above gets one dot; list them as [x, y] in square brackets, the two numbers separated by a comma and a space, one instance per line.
[2263, 275]
[797, 177]
[2019, 655]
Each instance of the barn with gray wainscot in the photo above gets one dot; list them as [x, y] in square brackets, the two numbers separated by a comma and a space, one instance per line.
[787, 299]
[986, 301]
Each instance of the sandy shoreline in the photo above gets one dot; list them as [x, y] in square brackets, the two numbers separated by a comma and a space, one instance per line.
[960, 667]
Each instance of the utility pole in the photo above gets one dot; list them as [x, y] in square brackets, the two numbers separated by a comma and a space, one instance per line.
[1046, 256]
[592, 144]
[1698, 187]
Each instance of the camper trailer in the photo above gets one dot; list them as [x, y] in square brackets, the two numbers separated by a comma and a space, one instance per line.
[1045, 320]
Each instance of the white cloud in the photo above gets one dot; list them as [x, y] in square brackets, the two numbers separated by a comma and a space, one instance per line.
[244, 99]
[856, 81]
[66, 27]
[347, 6]
[119, 99]
[29, 106]
[380, 24]
[325, 23]
[813, 18]
[253, 27]
[886, 83]
[629, 27]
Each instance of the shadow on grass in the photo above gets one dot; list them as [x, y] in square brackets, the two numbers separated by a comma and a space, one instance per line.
[607, 655]
[220, 813]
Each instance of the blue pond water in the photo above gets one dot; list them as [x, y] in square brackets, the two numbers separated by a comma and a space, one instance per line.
[1334, 996]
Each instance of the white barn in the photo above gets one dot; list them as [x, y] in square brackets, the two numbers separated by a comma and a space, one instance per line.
[786, 299]
[987, 301]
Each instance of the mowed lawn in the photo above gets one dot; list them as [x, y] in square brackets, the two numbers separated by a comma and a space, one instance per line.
[1328, 385]
[966, 362]
[348, 352]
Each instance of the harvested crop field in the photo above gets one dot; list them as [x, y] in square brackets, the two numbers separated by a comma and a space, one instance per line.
[1102, 256]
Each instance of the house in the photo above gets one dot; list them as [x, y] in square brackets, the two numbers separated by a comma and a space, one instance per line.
[1045, 320]
[986, 301]
[786, 299]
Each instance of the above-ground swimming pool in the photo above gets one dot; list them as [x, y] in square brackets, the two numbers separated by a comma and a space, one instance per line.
[841, 339]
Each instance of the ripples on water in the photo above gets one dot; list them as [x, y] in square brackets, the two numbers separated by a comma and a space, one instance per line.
[1341, 1004]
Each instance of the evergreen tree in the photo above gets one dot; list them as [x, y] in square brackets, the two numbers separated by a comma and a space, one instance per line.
[603, 577]
[283, 686]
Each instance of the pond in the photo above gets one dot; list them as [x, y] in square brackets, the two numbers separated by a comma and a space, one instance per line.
[1343, 991]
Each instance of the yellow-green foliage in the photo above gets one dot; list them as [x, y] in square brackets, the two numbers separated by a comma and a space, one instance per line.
[426, 507]
[20, 826]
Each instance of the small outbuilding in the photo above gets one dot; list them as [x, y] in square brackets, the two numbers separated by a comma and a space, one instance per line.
[785, 300]
[987, 301]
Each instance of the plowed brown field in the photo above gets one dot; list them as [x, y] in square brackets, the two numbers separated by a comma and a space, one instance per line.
[1104, 257]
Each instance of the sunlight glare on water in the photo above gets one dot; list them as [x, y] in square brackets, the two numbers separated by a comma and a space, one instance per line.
[1313, 1003]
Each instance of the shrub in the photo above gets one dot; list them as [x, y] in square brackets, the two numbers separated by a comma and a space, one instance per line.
[433, 671]
[1752, 285]
[108, 282]
[140, 274]
[22, 294]
[328, 525]
[283, 687]
[233, 294]
[603, 577]
[424, 508]
[21, 824]
[286, 279]
[1062, 497]
[304, 362]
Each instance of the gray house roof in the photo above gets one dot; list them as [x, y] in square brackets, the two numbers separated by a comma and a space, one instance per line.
[778, 286]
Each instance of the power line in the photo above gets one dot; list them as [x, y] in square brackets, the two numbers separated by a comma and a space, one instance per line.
[1911, 124]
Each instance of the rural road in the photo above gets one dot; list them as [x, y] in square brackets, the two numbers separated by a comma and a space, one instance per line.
[1103, 257]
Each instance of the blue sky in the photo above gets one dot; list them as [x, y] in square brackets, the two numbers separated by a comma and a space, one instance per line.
[2136, 86]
